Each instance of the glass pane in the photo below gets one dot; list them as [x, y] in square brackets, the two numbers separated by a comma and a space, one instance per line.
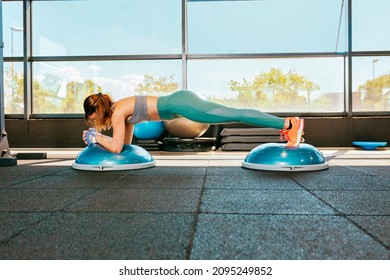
[13, 88]
[13, 28]
[61, 87]
[272, 85]
[106, 27]
[371, 84]
[262, 26]
[370, 25]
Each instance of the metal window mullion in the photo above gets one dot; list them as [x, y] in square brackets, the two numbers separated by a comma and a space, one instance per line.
[184, 41]
[2, 107]
[106, 57]
[349, 62]
[370, 53]
[26, 59]
[345, 82]
[264, 55]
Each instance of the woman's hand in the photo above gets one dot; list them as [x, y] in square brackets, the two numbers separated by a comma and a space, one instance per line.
[85, 132]
[89, 136]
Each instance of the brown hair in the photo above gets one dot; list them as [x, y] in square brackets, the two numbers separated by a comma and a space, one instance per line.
[101, 104]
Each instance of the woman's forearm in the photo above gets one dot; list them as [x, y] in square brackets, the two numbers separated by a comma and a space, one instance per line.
[107, 142]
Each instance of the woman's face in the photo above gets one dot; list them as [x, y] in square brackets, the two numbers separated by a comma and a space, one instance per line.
[90, 120]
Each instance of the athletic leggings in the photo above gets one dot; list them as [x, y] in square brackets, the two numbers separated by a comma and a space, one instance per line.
[185, 103]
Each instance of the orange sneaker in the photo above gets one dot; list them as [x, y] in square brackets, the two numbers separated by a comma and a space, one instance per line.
[293, 135]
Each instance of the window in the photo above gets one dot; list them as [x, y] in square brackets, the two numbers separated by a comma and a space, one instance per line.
[371, 21]
[273, 85]
[282, 26]
[371, 83]
[61, 87]
[233, 47]
[13, 88]
[13, 28]
[13, 47]
[109, 27]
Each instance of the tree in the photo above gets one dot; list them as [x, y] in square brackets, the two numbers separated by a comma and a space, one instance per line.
[274, 90]
[76, 93]
[248, 92]
[46, 99]
[152, 85]
[373, 93]
[14, 87]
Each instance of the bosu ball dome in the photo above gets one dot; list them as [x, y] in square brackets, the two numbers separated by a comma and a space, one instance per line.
[96, 158]
[279, 157]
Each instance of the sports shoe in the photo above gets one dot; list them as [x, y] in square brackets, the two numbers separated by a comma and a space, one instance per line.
[293, 135]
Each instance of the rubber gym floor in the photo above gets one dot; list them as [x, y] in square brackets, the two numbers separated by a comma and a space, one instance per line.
[197, 206]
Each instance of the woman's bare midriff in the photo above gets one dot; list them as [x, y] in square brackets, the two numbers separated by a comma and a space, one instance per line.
[152, 108]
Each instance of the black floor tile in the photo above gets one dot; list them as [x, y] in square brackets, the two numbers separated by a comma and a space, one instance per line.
[170, 170]
[56, 212]
[378, 226]
[34, 170]
[38, 200]
[264, 181]
[103, 236]
[64, 182]
[357, 202]
[262, 202]
[12, 224]
[140, 200]
[240, 171]
[282, 237]
[342, 182]
[158, 182]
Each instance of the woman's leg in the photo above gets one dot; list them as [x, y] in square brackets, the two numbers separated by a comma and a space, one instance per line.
[189, 105]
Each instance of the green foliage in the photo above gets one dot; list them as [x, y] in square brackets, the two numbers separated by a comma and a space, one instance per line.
[374, 94]
[46, 99]
[155, 86]
[13, 82]
[53, 95]
[76, 93]
[274, 90]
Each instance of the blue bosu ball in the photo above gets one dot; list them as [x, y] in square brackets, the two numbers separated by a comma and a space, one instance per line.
[96, 158]
[279, 157]
[149, 130]
[369, 145]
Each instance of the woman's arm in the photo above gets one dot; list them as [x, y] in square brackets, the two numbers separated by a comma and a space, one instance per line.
[115, 144]
[129, 130]
[122, 130]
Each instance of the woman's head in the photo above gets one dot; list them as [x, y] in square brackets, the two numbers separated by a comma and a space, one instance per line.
[98, 111]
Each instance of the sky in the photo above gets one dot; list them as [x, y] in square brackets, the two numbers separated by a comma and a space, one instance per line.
[114, 27]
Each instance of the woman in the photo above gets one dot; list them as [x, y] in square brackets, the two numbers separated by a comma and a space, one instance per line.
[102, 113]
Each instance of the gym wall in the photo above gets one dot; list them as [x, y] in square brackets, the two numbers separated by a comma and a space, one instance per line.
[320, 132]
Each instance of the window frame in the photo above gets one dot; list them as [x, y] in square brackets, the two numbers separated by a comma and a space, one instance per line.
[184, 56]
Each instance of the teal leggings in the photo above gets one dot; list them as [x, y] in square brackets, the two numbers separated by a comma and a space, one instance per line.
[185, 103]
